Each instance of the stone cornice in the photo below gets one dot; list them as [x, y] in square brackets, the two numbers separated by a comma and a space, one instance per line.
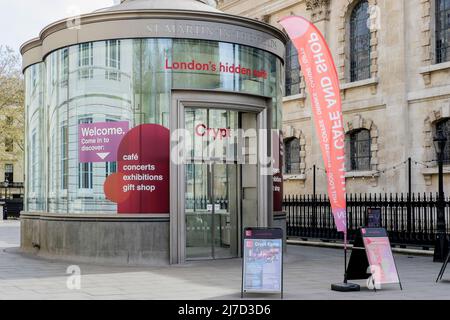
[317, 4]
[262, 9]
[320, 9]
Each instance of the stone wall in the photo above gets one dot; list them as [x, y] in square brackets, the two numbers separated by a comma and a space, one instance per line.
[400, 103]
[103, 239]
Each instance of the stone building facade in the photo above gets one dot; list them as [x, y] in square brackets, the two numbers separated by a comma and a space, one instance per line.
[11, 153]
[393, 60]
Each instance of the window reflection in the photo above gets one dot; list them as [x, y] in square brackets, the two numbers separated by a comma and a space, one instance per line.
[85, 60]
[112, 60]
[118, 80]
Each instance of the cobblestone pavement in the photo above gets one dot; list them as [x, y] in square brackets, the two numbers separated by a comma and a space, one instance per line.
[309, 272]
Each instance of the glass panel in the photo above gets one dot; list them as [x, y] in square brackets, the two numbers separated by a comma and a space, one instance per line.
[212, 65]
[101, 81]
[152, 82]
[112, 60]
[35, 142]
[100, 90]
[198, 211]
[225, 210]
[198, 143]
[58, 135]
[124, 80]
[211, 209]
[211, 134]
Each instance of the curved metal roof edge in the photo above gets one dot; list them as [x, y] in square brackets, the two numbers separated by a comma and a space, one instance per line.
[96, 16]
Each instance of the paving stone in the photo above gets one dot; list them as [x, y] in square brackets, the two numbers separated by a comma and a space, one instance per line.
[309, 272]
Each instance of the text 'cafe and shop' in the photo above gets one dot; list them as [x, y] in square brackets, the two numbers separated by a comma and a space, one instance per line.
[150, 145]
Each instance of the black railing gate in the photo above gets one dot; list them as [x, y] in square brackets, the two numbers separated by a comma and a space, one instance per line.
[409, 219]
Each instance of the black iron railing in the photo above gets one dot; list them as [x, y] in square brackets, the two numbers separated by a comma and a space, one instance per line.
[408, 220]
[12, 185]
[201, 203]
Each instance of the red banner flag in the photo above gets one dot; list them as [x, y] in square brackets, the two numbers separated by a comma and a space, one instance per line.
[322, 81]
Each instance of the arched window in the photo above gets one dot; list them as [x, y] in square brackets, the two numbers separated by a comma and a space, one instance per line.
[442, 31]
[292, 156]
[292, 70]
[359, 42]
[358, 144]
[444, 128]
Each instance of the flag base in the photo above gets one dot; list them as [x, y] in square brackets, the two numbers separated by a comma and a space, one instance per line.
[345, 287]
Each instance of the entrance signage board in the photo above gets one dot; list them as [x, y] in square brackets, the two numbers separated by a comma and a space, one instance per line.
[220, 68]
[263, 260]
[98, 142]
[202, 130]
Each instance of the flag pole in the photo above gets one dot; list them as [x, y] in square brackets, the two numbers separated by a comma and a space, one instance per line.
[323, 83]
[345, 286]
[345, 256]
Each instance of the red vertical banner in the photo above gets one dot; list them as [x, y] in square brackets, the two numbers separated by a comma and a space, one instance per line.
[322, 82]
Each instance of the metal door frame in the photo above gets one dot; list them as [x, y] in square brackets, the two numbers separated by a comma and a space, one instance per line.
[212, 100]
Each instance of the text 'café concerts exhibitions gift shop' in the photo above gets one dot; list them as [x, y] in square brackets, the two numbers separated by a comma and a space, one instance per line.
[106, 93]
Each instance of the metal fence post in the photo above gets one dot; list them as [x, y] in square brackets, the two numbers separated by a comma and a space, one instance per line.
[314, 217]
[408, 217]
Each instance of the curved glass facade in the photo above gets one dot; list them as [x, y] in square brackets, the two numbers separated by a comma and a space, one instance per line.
[117, 81]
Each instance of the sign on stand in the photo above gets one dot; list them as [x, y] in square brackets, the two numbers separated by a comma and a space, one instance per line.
[372, 258]
[373, 218]
[262, 264]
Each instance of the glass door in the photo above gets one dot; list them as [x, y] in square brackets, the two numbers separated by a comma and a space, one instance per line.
[211, 185]
[211, 211]
[198, 211]
[225, 186]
